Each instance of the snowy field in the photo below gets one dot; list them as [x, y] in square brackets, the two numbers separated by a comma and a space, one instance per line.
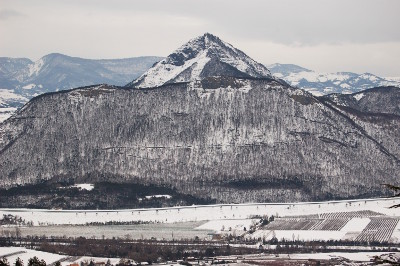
[353, 257]
[202, 212]
[360, 220]
[166, 231]
[12, 253]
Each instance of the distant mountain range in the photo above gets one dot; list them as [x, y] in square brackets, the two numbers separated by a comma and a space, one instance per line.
[206, 124]
[326, 83]
[21, 79]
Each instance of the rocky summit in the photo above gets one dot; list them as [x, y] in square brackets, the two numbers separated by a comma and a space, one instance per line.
[222, 130]
[204, 56]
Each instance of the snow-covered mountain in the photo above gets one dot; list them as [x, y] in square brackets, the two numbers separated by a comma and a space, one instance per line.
[224, 136]
[204, 56]
[21, 79]
[326, 83]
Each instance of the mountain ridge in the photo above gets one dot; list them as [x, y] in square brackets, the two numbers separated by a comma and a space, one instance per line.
[56, 71]
[203, 56]
[320, 83]
[175, 127]
[207, 138]
[22, 79]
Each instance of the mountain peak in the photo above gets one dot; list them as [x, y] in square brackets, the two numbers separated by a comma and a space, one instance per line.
[204, 56]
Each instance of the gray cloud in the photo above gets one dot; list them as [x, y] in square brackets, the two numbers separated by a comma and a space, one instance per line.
[305, 22]
[9, 13]
[313, 33]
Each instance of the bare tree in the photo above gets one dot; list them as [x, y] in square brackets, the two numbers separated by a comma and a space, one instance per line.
[396, 193]
[4, 262]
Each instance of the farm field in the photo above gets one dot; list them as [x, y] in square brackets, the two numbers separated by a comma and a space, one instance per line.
[353, 220]
[202, 212]
[167, 231]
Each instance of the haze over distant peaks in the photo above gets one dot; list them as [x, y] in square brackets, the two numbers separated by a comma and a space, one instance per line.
[21, 79]
[204, 56]
[319, 83]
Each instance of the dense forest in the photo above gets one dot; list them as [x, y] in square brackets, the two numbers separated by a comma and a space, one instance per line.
[245, 140]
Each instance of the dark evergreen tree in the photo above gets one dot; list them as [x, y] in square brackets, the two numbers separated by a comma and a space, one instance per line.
[36, 262]
[18, 262]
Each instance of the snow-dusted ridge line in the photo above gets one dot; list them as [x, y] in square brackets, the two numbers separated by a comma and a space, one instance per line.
[322, 83]
[188, 63]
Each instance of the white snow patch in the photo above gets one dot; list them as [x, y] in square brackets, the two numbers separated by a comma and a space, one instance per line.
[396, 233]
[7, 112]
[113, 261]
[314, 92]
[395, 79]
[345, 86]
[35, 68]
[359, 96]
[25, 254]
[158, 196]
[308, 235]
[163, 72]
[227, 225]
[356, 225]
[354, 256]
[7, 95]
[84, 186]
[29, 86]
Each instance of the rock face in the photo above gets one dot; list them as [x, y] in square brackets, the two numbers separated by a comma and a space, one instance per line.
[204, 56]
[222, 138]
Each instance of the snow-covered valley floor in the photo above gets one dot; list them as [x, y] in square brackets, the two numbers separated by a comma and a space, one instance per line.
[361, 220]
[356, 258]
[203, 212]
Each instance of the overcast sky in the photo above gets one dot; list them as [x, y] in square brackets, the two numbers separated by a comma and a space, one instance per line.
[328, 36]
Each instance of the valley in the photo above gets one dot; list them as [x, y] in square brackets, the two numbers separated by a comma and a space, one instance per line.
[357, 231]
[204, 152]
[299, 219]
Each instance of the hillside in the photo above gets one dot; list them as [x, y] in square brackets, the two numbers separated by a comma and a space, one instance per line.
[213, 139]
[257, 142]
